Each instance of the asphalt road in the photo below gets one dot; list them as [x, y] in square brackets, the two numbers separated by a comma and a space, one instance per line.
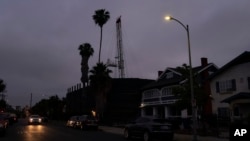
[21, 131]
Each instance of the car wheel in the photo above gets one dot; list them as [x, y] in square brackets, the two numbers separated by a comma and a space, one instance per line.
[126, 134]
[146, 136]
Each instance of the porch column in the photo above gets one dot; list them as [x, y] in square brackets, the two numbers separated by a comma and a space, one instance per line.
[155, 111]
[142, 112]
[166, 112]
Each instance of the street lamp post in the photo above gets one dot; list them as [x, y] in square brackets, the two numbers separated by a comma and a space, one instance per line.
[193, 102]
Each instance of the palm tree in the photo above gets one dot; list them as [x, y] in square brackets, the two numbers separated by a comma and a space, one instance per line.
[100, 82]
[85, 51]
[2, 86]
[3, 103]
[100, 17]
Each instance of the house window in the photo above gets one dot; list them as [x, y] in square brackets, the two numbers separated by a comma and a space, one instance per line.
[174, 111]
[223, 112]
[226, 86]
[248, 80]
[149, 111]
[167, 91]
[151, 94]
[236, 111]
[169, 75]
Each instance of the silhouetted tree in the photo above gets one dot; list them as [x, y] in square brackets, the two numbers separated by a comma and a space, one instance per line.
[2, 86]
[85, 51]
[3, 103]
[100, 83]
[52, 107]
[183, 91]
[101, 17]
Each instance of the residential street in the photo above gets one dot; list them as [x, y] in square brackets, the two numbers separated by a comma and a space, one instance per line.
[55, 130]
[21, 131]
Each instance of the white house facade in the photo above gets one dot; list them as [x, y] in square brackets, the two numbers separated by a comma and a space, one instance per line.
[230, 88]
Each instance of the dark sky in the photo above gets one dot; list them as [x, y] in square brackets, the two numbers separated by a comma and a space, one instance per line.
[39, 39]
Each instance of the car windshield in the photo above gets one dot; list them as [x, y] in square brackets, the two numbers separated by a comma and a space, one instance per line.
[35, 116]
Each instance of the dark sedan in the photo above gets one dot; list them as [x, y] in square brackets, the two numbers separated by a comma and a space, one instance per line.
[148, 128]
[87, 122]
[71, 122]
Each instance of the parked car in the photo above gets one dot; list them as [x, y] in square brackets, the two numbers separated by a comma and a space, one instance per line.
[71, 122]
[5, 118]
[149, 128]
[3, 124]
[35, 119]
[13, 118]
[87, 122]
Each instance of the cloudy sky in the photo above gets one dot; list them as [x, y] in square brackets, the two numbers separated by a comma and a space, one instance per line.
[39, 39]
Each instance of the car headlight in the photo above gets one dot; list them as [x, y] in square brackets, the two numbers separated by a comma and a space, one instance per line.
[30, 119]
[40, 120]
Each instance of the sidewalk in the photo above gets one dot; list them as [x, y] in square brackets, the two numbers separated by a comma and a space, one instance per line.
[177, 137]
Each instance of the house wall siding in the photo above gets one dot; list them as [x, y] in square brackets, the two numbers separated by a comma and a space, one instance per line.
[240, 73]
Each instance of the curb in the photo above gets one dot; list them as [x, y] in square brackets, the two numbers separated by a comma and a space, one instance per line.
[177, 137]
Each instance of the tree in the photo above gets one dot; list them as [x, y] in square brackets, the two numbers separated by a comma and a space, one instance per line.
[183, 91]
[85, 51]
[100, 83]
[101, 17]
[3, 103]
[52, 107]
[2, 86]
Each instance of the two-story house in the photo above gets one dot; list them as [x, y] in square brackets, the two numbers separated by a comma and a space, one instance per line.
[158, 98]
[230, 88]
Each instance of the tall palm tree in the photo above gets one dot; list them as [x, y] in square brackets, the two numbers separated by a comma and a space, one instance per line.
[100, 82]
[3, 103]
[85, 51]
[2, 86]
[101, 17]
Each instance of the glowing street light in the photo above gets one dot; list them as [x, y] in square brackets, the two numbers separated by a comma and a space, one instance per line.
[193, 102]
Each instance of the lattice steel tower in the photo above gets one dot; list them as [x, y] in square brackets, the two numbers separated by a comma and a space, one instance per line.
[120, 48]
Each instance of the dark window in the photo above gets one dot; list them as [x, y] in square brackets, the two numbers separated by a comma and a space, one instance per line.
[233, 85]
[142, 120]
[217, 87]
[223, 112]
[226, 86]
[236, 111]
[248, 80]
[149, 111]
